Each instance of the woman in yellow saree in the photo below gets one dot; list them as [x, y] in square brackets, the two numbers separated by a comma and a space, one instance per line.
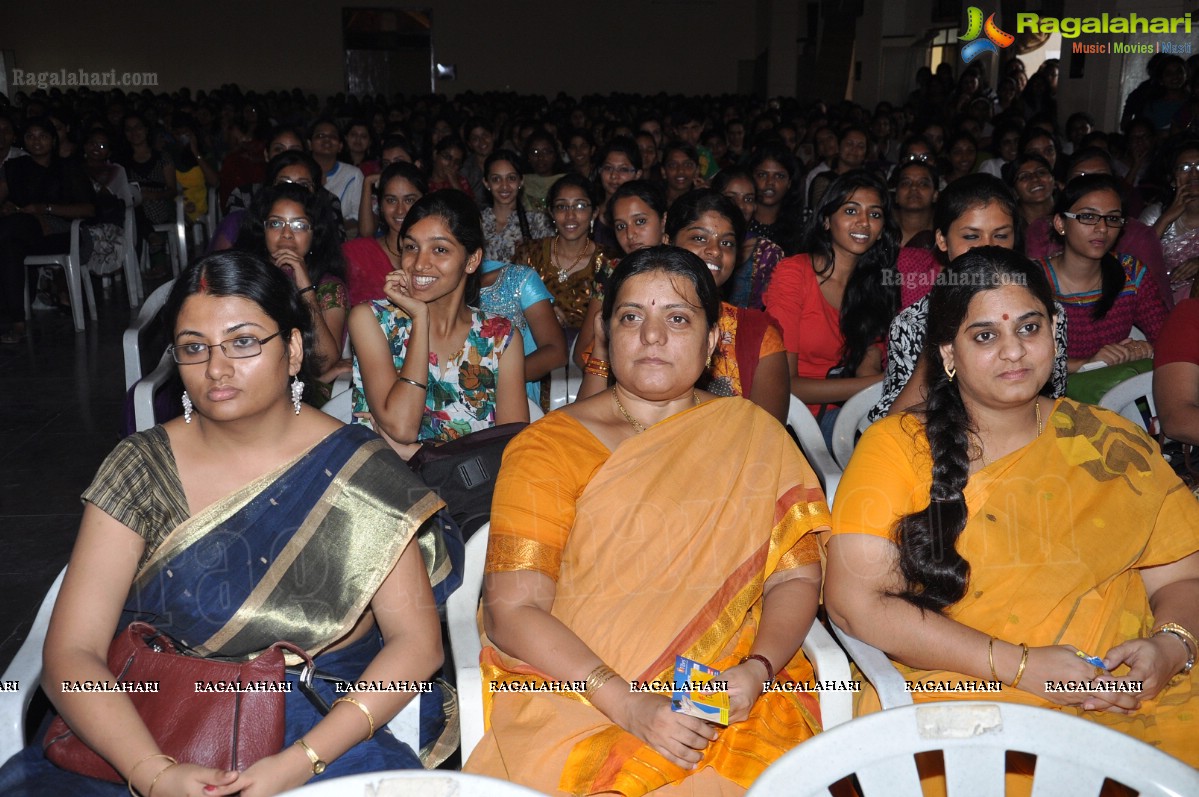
[998, 535]
[607, 559]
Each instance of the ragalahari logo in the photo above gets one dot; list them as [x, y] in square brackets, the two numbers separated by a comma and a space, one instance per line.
[995, 40]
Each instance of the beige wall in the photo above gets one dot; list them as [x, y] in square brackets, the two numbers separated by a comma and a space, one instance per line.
[688, 46]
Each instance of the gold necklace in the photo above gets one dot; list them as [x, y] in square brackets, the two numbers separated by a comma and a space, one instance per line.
[564, 273]
[638, 427]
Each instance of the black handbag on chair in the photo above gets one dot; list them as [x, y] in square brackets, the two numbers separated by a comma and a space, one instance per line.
[463, 471]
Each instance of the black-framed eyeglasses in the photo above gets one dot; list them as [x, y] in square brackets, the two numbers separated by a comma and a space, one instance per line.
[916, 157]
[608, 168]
[239, 348]
[1091, 219]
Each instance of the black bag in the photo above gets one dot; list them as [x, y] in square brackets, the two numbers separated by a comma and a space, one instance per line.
[463, 472]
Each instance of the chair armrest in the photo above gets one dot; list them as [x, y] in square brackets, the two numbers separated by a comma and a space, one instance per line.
[811, 442]
[25, 669]
[461, 614]
[143, 392]
[877, 668]
[830, 664]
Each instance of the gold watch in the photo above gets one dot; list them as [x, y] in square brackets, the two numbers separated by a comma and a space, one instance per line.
[318, 766]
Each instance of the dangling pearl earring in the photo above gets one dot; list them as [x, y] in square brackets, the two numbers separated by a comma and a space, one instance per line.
[297, 392]
[188, 407]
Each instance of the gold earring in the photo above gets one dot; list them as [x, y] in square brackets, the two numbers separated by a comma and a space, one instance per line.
[950, 372]
[708, 362]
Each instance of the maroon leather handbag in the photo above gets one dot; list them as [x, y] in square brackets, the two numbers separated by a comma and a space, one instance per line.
[219, 714]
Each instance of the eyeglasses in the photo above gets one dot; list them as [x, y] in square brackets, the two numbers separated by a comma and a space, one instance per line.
[608, 168]
[916, 157]
[1187, 168]
[540, 152]
[311, 186]
[239, 348]
[1040, 174]
[297, 225]
[580, 205]
[1091, 219]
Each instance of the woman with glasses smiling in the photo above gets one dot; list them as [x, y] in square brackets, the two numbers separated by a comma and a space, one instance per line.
[296, 230]
[1105, 294]
[570, 263]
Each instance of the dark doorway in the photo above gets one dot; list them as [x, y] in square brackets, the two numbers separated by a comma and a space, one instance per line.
[388, 50]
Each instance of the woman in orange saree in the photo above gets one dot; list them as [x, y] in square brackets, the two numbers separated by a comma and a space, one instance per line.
[606, 561]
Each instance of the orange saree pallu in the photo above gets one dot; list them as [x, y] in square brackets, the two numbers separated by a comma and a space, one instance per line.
[663, 547]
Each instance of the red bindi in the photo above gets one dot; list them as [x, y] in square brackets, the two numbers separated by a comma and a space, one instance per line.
[1005, 316]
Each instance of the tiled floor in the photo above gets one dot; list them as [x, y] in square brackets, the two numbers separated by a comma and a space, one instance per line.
[61, 398]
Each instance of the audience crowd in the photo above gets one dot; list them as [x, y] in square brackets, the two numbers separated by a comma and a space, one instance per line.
[975, 255]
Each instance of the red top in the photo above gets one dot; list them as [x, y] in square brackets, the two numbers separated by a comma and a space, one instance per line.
[811, 326]
[367, 265]
[1179, 339]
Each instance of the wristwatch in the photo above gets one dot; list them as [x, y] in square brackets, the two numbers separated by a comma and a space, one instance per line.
[318, 766]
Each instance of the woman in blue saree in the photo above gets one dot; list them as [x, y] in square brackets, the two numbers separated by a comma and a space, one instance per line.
[248, 521]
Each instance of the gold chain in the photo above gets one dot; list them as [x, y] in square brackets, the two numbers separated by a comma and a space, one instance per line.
[638, 427]
[564, 273]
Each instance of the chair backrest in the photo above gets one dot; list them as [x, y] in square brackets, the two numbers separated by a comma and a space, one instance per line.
[26, 670]
[462, 611]
[811, 442]
[852, 421]
[131, 343]
[413, 783]
[878, 669]
[1123, 398]
[1074, 756]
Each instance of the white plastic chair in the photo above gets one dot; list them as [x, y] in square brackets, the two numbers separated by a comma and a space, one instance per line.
[146, 385]
[828, 661]
[811, 442]
[26, 670]
[566, 381]
[1074, 756]
[852, 421]
[1123, 398]
[878, 669]
[77, 282]
[412, 783]
[176, 240]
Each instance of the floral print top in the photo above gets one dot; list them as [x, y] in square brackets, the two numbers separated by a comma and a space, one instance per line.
[462, 391]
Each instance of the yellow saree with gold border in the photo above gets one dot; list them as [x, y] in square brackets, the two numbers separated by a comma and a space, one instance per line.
[1056, 536]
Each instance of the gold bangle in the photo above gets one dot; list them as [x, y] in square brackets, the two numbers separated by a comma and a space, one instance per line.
[1023, 664]
[597, 678]
[318, 765]
[153, 783]
[132, 769]
[1178, 630]
[369, 716]
[991, 659]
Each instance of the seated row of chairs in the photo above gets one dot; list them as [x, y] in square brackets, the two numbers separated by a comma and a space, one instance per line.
[1074, 756]
[79, 282]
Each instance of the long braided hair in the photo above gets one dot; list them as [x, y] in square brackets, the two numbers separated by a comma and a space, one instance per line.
[935, 574]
